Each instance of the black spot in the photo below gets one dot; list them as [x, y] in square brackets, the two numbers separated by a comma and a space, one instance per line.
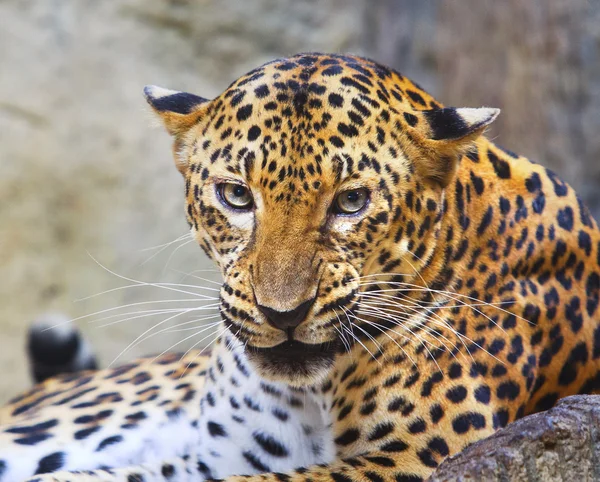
[546, 402]
[417, 426]
[478, 183]
[539, 203]
[253, 133]
[280, 414]
[439, 445]
[455, 371]
[596, 353]
[167, 471]
[86, 432]
[333, 70]
[565, 218]
[508, 390]
[285, 66]
[237, 98]
[501, 167]
[592, 288]
[456, 394]
[368, 408]
[402, 477]
[216, 429]
[533, 183]
[349, 436]
[373, 477]
[416, 97]
[430, 383]
[560, 188]
[381, 461]
[426, 458]
[381, 430]
[109, 441]
[573, 314]
[394, 446]
[38, 427]
[335, 100]
[411, 119]
[270, 445]
[244, 112]
[436, 412]
[462, 423]
[336, 141]
[500, 419]
[482, 394]
[485, 221]
[255, 462]
[135, 478]
[578, 355]
[585, 242]
[347, 130]
[50, 463]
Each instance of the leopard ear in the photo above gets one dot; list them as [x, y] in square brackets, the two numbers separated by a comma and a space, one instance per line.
[448, 133]
[178, 110]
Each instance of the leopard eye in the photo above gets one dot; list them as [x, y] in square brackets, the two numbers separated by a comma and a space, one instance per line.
[236, 196]
[351, 201]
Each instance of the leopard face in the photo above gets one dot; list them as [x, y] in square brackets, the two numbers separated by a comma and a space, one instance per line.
[306, 179]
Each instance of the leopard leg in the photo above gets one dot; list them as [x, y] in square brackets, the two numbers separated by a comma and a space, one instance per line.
[377, 466]
[181, 469]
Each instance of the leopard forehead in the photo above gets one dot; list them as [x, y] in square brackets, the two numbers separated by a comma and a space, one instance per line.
[294, 124]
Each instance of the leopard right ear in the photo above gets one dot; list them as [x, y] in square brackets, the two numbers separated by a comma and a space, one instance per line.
[444, 135]
[178, 110]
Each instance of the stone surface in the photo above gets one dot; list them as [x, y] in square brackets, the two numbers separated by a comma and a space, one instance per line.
[562, 444]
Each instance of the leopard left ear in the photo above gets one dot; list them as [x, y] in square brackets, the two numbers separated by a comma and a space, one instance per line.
[178, 110]
[446, 134]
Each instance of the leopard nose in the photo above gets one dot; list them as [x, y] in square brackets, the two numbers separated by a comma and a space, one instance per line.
[284, 320]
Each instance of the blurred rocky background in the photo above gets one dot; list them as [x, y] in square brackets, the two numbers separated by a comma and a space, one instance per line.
[86, 177]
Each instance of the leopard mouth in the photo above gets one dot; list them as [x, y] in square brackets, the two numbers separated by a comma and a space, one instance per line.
[294, 350]
[293, 361]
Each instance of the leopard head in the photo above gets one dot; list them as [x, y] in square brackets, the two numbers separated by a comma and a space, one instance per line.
[303, 179]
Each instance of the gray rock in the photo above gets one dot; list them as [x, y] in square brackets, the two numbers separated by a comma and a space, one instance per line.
[562, 444]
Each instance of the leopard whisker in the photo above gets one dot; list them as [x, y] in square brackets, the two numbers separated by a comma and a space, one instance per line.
[420, 340]
[175, 251]
[436, 307]
[137, 340]
[165, 246]
[462, 337]
[197, 277]
[351, 333]
[449, 293]
[201, 351]
[341, 333]
[183, 340]
[167, 286]
[399, 322]
[143, 313]
[365, 332]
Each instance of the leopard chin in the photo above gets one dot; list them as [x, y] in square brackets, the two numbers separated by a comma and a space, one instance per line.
[295, 363]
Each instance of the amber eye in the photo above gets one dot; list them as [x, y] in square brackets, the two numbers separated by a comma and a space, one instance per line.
[351, 201]
[236, 195]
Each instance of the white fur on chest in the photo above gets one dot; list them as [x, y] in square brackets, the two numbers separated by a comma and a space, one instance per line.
[249, 425]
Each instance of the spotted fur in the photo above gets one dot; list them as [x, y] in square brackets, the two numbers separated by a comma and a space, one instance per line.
[369, 345]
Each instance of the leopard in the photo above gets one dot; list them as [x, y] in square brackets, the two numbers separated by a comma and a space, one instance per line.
[396, 287]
